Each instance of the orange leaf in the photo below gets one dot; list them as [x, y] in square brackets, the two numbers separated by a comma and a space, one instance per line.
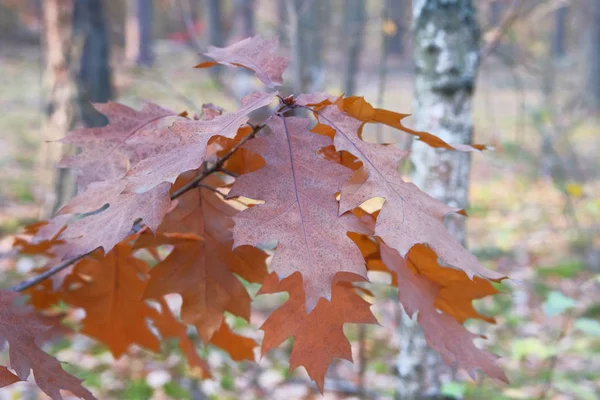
[239, 347]
[201, 271]
[442, 332]
[409, 216]
[318, 335]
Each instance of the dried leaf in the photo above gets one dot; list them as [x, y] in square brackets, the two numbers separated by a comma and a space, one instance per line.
[409, 216]
[113, 224]
[318, 335]
[442, 332]
[200, 268]
[300, 211]
[23, 330]
[187, 149]
[108, 151]
[253, 53]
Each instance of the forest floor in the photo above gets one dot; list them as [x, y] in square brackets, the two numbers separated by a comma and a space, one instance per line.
[522, 222]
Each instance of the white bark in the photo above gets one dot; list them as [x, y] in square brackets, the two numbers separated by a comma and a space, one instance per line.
[446, 53]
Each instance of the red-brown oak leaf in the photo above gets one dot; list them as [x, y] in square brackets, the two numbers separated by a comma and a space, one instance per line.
[300, 212]
[111, 215]
[202, 263]
[110, 289]
[443, 332]
[409, 216]
[187, 149]
[318, 335]
[7, 378]
[23, 330]
[109, 151]
[237, 346]
[253, 53]
[170, 327]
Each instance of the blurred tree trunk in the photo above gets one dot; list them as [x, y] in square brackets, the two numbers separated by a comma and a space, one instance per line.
[61, 97]
[446, 53]
[245, 9]
[593, 50]
[395, 12]
[244, 81]
[139, 32]
[354, 24]
[495, 12]
[214, 23]
[558, 34]
[94, 80]
[306, 20]
[77, 72]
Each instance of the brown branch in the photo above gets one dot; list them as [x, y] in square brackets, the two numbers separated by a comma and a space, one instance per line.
[47, 274]
[217, 167]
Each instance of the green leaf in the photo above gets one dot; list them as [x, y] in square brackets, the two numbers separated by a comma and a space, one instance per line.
[522, 348]
[556, 303]
[454, 389]
[588, 326]
[562, 270]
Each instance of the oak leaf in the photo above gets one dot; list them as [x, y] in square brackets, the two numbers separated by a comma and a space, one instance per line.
[443, 332]
[202, 264]
[114, 218]
[253, 53]
[237, 346]
[23, 330]
[409, 216]
[109, 151]
[359, 108]
[300, 212]
[318, 335]
[187, 149]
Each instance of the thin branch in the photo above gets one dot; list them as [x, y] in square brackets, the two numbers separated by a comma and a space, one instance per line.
[45, 275]
[217, 167]
[227, 172]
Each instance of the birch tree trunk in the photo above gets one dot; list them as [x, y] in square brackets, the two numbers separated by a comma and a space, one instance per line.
[446, 54]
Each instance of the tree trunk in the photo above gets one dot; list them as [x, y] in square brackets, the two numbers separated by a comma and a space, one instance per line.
[139, 32]
[245, 8]
[354, 24]
[558, 34]
[77, 73]
[305, 23]
[593, 50]
[446, 54]
[495, 12]
[395, 12]
[94, 77]
[61, 97]
[214, 25]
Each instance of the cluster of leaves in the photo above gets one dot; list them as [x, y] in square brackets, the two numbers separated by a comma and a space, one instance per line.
[220, 193]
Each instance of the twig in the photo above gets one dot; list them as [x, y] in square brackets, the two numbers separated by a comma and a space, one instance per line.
[46, 274]
[218, 166]
[227, 172]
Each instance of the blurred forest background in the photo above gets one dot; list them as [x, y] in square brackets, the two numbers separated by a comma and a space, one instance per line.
[534, 202]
